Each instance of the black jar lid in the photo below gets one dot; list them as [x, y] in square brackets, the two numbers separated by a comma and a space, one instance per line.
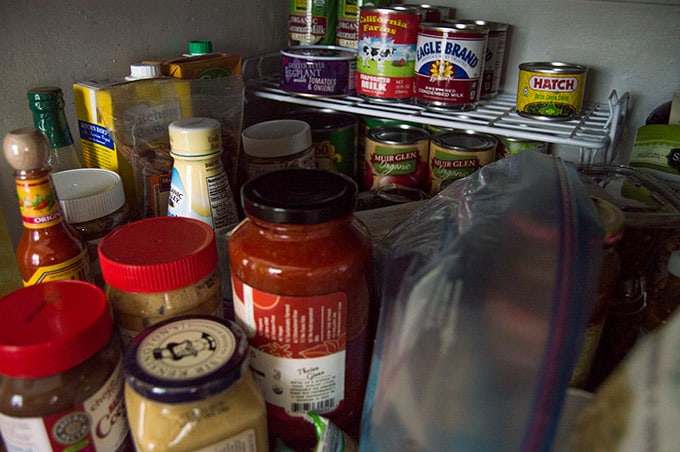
[299, 196]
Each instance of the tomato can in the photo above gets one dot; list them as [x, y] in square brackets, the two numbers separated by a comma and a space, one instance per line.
[550, 91]
[455, 154]
[449, 65]
[312, 23]
[315, 71]
[386, 53]
[396, 155]
[302, 283]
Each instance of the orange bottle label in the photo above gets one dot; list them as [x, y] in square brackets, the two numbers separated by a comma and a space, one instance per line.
[38, 206]
[74, 268]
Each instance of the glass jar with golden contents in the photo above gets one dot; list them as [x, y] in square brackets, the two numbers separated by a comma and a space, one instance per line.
[188, 388]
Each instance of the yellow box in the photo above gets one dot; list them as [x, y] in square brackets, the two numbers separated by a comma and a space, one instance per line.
[211, 65]
[123, 127]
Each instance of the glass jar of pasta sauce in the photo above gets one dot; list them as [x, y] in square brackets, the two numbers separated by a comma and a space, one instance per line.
[302, 285]
[61, 379]
[158, 268]
[188, 388]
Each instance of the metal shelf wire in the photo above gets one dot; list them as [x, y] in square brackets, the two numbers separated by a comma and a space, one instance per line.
[595, 133]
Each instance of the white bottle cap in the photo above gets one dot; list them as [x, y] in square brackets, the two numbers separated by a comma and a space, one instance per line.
[674, 263]
[195, 137]
[144, 70]
[277, 138]
[86, 194]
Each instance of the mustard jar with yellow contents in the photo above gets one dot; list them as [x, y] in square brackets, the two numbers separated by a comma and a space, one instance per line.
[159, 268]
[188, 387]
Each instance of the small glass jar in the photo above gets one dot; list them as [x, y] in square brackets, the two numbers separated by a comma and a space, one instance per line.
[158, 268]
[278, 144]
[61, 373]
[188, 387]
[93, 202]
[301, 269]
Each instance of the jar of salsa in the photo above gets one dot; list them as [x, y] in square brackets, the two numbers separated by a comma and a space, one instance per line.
[302, 286]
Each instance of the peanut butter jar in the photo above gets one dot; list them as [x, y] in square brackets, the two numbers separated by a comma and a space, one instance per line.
[188, 387]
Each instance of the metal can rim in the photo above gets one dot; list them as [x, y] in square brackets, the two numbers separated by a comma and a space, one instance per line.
[343, 53]
[492, 26]
[553, 67]
[391, 9]
[457, 27]
[415, 134]
[486, 141]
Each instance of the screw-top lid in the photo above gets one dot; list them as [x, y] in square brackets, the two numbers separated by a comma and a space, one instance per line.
[144, 70]
[26, 149]
[277, 138]
[186, 358]
[674, 263]
[195, 137]
[86, 194]
[158, 254]
[299, 196]
[51, 327]
[200, 47]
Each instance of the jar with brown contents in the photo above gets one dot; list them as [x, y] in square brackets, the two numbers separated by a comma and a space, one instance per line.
[159, 268]
[61, 380]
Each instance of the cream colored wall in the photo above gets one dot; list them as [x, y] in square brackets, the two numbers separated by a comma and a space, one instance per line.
[631, 46]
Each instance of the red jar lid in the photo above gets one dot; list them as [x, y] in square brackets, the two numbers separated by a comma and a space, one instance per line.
[158, 254]
[48, 328]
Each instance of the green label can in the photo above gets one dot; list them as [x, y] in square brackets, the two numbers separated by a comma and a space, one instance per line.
[312, 23]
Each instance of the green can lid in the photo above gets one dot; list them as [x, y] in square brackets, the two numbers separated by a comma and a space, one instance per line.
[200, 47]
[45, 98]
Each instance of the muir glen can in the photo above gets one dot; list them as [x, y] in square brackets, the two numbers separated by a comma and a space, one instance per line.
[386, 53]
[449, 65]
[550, 90]
[455, 154]
[396, 155]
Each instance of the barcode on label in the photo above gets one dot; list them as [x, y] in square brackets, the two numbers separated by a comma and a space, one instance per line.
[321, 406]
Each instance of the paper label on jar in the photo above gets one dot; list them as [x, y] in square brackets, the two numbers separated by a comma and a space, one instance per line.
[77, 267]
[297, 347]
[243, 442]
[99, 423]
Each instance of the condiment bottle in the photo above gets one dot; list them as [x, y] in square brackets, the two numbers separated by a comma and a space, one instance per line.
[93, 202]
[277, 144]
[667, 302]
[188, 387]
[61, 376]
[302, 286]
[612, 219]
[47, 105]
[49, 249]
[158, 268]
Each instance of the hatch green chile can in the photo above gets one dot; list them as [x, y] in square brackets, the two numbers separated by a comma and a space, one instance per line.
[312, 22]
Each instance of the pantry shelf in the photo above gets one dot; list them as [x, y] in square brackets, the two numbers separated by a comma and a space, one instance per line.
[595, 133]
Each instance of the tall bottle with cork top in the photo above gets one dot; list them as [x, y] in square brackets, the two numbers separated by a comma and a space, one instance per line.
[47, 105]
[49, 249]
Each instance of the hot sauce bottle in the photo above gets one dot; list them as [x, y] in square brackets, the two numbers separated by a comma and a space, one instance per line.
[49, 249]
[301, 278]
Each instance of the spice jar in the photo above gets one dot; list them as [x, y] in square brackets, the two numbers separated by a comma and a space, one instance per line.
[278, 144]
[61, 379]
[612, 220]
[93, 202]
[301, 278]
[188, 388]
[158, 268]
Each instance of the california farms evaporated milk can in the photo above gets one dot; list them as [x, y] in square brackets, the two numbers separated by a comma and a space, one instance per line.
[386, 53]
[312, 22]
[550, 90]
[449, 65]
[347, 28]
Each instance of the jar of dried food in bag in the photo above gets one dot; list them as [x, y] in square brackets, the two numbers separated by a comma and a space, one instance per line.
[158, 268]
[188, 387]
[61, 379]
[302, 283]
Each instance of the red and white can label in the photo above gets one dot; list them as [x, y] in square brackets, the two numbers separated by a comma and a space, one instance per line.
[386, 54]
[298, 347]
[449, 67]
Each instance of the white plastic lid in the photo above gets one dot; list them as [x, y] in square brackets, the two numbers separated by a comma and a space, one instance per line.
[195, 137]
[86, 194]
[277, 138]
[674, 263]
[144, 70]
